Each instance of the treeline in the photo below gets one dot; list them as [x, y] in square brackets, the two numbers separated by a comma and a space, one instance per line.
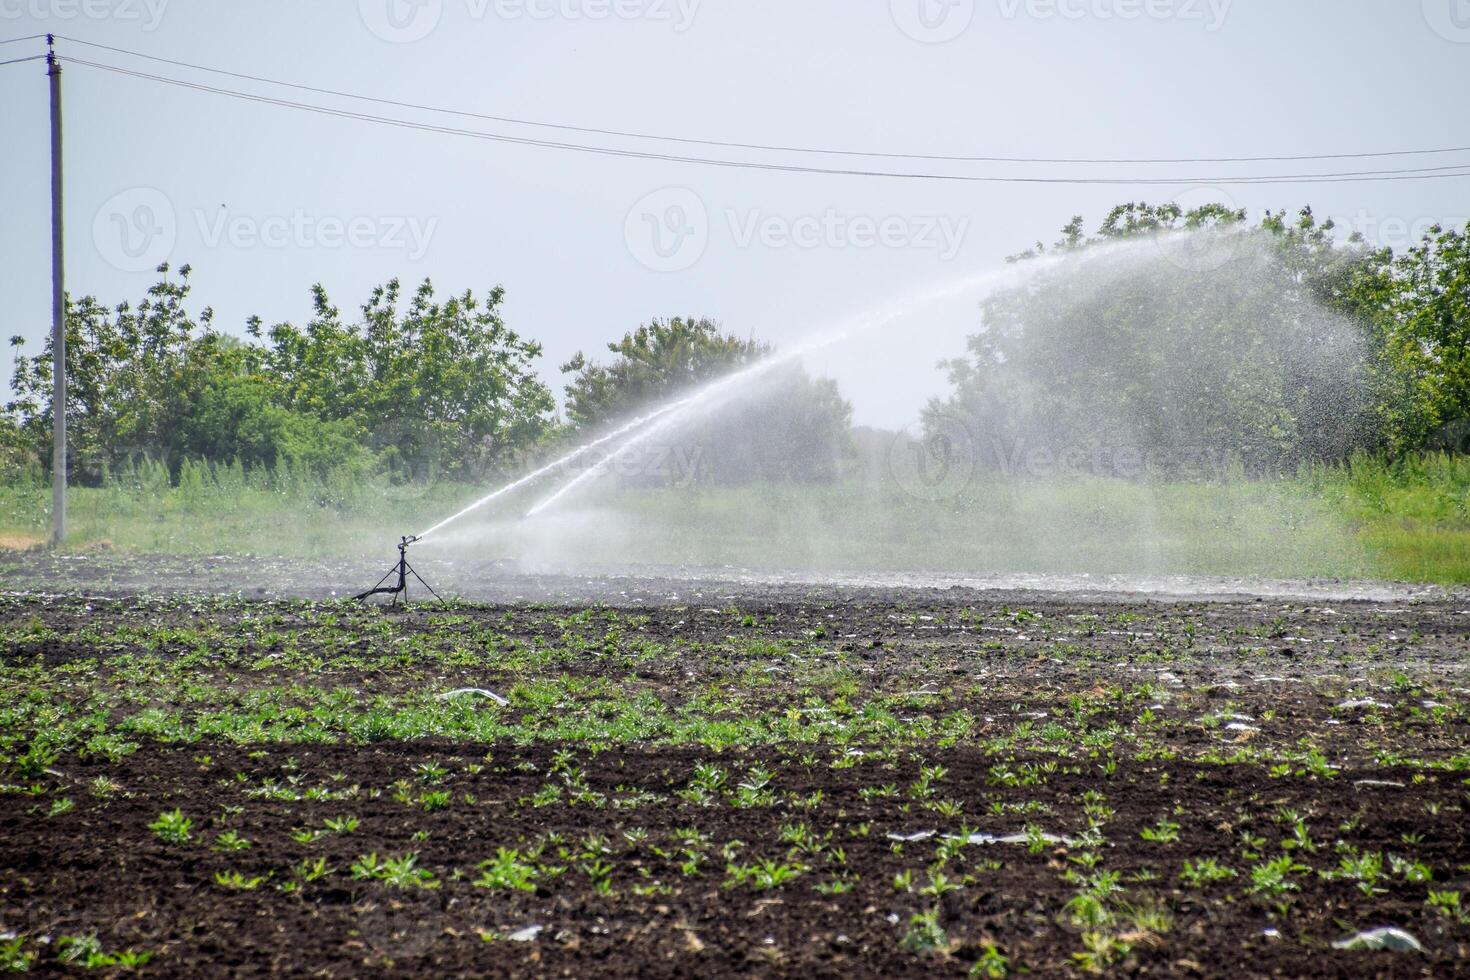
[414, 386]
[1204, 340]
[1197, 343]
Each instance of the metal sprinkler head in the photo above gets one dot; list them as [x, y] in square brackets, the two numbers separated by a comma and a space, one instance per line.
[402, 570]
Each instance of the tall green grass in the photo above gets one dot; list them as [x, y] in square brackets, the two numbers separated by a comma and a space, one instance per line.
[216, 509]
[1412, 514]
[1369, 518]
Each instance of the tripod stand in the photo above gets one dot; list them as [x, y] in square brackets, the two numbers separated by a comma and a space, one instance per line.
[402, 569]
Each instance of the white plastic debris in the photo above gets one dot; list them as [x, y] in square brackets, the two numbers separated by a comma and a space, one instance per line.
[525, 935]
[1386, 937]
[482, 692]
[910, 838]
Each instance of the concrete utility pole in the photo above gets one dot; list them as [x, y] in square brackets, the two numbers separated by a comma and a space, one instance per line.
[58, 311]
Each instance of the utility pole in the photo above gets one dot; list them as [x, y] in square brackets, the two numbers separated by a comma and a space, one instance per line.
[58, 311]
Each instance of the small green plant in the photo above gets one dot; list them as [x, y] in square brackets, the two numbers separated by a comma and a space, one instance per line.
[992, 964]
[925, 934]
[236, 881]
[397, 872]
[430, 772]
[103, 786]
[762, 875]
[939, 885]
[1413, 872]
[1100, 950]
[1364, 870]
[87, 952]
[14, 958]
[506, 872]
[231, 841]
[1163, 832]
[1273, 878]
[311, 870]
[172, 827]
[1448, 904]
[1204, 871]
[436, 800]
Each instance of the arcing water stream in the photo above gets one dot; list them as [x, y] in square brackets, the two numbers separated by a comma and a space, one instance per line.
[713, 394]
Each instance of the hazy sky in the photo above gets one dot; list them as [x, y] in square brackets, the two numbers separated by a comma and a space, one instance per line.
[265, 200]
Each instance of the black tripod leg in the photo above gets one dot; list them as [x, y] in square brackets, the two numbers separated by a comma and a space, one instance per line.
[427, 586]
[377, 589]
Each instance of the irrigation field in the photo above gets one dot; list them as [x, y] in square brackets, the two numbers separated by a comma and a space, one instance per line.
[718, 778]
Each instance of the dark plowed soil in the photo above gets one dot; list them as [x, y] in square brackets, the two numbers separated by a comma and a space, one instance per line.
[99, 868]
[1152, 789]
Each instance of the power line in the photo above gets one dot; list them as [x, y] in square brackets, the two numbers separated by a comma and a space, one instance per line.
[16, 61]
[725, 144]
[1414, 173]
[28, 37]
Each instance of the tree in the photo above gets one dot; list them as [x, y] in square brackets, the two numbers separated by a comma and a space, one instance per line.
[780, 425]
[1424, 304]
[134, 376]
[437, 387]
[1231, 346]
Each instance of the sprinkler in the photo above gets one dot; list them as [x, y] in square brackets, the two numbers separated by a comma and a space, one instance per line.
[402, 569]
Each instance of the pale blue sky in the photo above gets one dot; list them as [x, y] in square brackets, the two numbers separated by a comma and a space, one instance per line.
[266, 200]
